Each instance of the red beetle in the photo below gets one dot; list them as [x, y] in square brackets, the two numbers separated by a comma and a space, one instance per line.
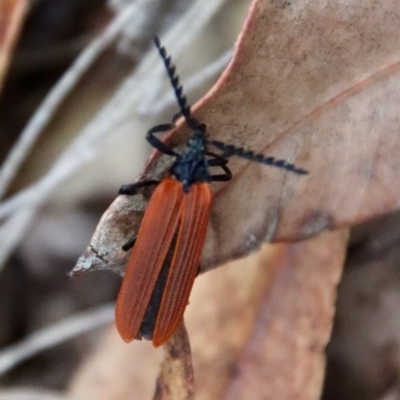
[166, 253]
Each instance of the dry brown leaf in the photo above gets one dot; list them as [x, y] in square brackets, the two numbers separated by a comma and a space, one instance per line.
[12, 14]
[283, 358]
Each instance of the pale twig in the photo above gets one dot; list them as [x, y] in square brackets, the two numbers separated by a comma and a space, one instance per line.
[136, 36]
[32, 394]
[53, 335]
[53, 100]
[113, 114]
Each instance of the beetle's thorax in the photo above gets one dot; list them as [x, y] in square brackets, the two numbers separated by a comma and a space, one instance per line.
[191, 164]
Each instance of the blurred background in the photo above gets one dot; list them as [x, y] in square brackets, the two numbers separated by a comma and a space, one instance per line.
[70, 170]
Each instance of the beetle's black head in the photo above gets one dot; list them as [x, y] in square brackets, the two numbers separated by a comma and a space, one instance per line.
[191, 164]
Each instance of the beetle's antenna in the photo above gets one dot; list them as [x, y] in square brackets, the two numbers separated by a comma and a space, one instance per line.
[178, 89]
[229, 150]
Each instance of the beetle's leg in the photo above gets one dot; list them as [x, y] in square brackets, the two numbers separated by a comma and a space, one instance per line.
[129, 244]
[131, 189]
[219, 161]
[156, 142]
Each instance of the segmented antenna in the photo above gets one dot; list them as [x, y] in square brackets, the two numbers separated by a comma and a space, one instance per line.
[178, 89]
[229, 150]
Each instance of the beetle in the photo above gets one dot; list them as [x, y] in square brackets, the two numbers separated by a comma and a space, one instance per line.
[166, 252]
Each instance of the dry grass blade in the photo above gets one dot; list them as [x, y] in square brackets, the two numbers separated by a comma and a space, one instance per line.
[54, 99]
[51, 336]
[32, 394]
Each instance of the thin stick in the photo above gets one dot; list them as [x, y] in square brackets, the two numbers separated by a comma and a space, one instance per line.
[32, 394]
[53, 335]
